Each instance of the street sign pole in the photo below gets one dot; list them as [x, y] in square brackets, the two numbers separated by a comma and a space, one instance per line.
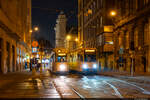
[41, 64]
[34, 52]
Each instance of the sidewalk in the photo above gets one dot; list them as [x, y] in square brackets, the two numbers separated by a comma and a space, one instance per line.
[137, 77]
[27, 85]
[12, 76]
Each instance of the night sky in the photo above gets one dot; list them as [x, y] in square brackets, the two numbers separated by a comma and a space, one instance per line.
[45, 12]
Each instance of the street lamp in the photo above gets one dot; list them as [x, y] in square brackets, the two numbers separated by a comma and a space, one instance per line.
[68, 37]
[113, 13]
[35, 29]
[76, 39]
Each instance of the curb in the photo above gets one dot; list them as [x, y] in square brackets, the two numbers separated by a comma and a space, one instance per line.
[131, 79]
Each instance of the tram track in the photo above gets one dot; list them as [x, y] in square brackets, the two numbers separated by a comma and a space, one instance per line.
[139, 88]
[117, 87]
[74, 91]
[81, 96]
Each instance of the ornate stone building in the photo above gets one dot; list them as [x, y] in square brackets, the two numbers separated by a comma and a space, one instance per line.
[60, 31]
[95, 29]
[15, 38]
[124, 45]
[132, 34]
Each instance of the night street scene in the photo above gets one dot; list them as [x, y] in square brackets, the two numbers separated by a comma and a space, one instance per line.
[75, 49]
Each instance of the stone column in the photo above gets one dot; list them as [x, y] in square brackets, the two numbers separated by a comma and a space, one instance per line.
[4, 56]
[10, 57]
[148, 65]
[15, 60]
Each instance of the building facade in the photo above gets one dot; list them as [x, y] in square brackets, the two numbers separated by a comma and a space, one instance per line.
[71, 42]
[95, 29]
[15, 38]
[131, 35]
[60, 31]
[122, 41]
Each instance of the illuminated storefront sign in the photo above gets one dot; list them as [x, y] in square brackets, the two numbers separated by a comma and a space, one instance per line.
[89, 50]
[61, 54]
[108, 28]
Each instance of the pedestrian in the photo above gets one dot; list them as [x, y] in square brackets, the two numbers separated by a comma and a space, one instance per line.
[30, 65]
[26, 65]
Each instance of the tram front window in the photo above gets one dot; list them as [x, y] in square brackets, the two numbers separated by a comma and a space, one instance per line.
[90, 58]
[61, 59]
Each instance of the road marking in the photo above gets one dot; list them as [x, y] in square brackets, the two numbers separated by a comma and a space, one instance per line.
[144, 91]
[115, 89]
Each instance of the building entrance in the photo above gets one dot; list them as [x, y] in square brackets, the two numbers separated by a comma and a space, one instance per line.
[13, 60]
[8, 57]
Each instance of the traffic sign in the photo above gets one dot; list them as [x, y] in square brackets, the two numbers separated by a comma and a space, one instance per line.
[35, 44]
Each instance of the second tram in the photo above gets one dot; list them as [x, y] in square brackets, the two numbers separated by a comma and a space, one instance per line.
[83, 61]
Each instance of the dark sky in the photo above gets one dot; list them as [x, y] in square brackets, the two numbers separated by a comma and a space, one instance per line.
[45, 12]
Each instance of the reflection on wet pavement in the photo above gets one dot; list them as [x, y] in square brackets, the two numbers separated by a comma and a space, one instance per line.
[30, 88]
[104, 87]
[47, 85]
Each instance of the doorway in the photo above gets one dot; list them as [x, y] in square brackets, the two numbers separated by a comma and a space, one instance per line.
[13, 59]
[8, 56]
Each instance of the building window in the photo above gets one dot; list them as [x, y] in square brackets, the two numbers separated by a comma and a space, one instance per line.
[146, 32]
[136, 37]
[146, 2]
[136, 4]
[120, 40]
[127, 40]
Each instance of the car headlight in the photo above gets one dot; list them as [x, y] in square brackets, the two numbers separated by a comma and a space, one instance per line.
[85, 66]
[94, 66]
[62, 67]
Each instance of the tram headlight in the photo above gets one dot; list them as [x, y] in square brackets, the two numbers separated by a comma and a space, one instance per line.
[62, 67]
[85, 66]
[94, 66]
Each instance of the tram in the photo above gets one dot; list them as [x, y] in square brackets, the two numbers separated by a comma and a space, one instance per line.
[83, 61]
[58, 61]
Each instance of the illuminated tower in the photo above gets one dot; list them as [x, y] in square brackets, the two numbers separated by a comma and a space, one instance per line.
[60, 31]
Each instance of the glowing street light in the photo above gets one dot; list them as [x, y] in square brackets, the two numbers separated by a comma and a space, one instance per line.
[113, 13]
[36, 28]
[68, 37]
[76, 39]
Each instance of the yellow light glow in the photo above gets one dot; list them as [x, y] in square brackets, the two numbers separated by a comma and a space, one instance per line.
[59, 50]
[61, 54]
[113, 13]
[31, 31]
[76, 39]
[68, 37]
[36, 28]
[108, 28]
[89, 11]
[89, 50]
